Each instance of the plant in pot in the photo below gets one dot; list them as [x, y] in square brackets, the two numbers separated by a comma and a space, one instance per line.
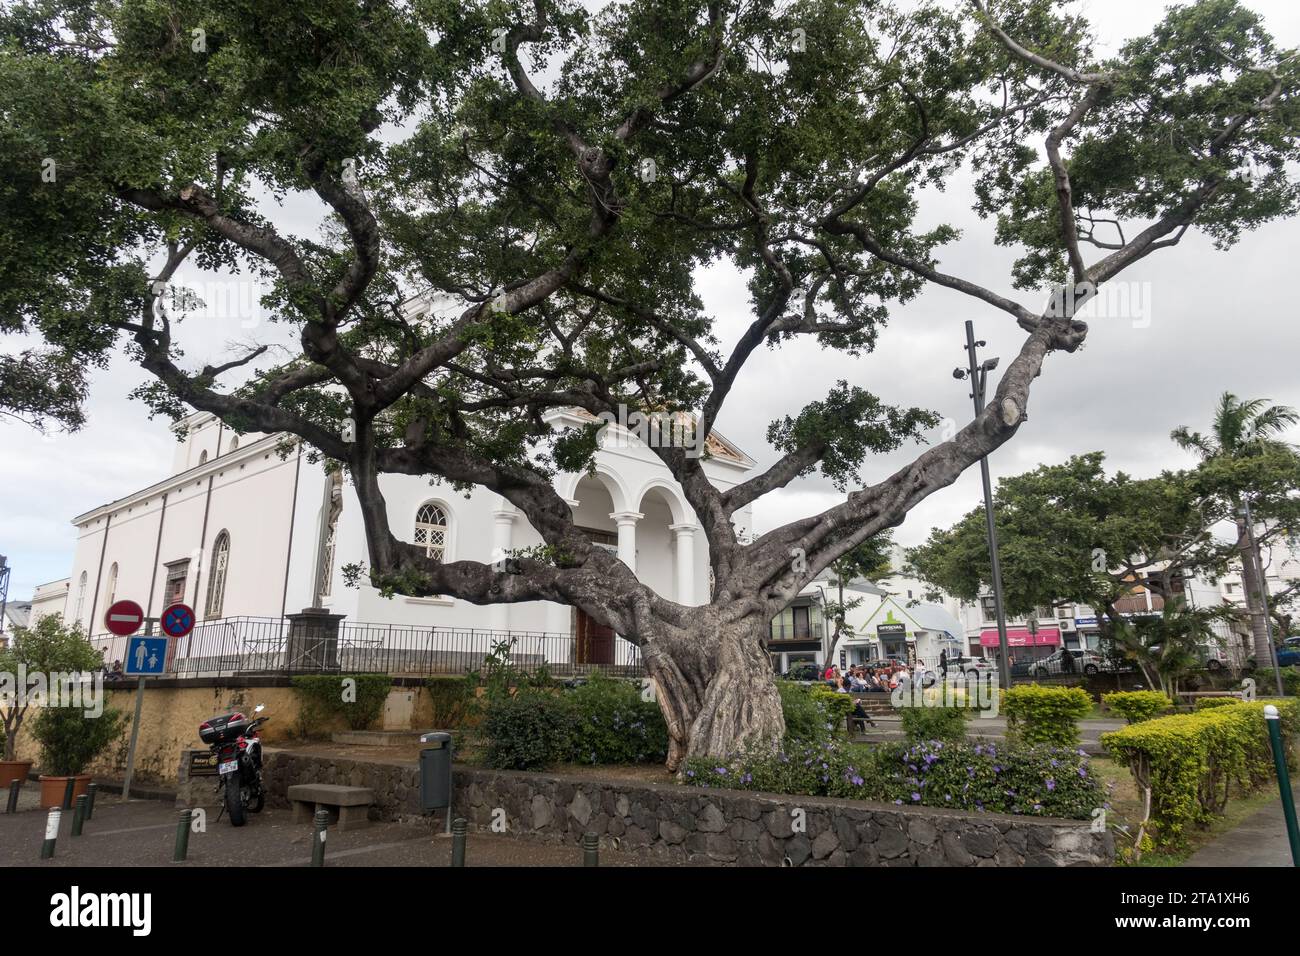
[48, 648]
[71, 738]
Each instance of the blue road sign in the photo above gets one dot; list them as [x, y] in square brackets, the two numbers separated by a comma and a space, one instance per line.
[178, 620]
[145, 656]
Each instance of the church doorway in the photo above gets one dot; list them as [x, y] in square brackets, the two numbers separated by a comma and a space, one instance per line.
[594, 642]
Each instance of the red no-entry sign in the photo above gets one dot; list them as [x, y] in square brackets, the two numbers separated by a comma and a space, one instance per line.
[124, 617]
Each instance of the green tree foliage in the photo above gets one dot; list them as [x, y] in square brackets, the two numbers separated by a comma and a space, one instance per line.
[49, 648]
[564, 180]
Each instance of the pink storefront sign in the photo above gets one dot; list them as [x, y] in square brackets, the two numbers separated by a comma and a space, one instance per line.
[1020, 637]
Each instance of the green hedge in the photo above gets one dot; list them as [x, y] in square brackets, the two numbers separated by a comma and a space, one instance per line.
[527, 730]
[980, 777]
[1208, 703]
[1136, 706]
[933, 723]
[1045, 715]
[605, 721]
[451, 701]
[1190, 762]
[323, 697]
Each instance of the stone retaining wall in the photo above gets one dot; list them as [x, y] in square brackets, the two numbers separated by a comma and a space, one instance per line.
[728, 827]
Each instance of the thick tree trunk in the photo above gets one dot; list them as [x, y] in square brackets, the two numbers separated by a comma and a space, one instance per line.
[1252, 582]
[716, 689]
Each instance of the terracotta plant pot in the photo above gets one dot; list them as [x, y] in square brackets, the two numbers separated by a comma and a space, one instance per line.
[53, 788]
[11, 770]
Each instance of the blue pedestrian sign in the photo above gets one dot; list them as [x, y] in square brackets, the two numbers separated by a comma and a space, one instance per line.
[145, 656]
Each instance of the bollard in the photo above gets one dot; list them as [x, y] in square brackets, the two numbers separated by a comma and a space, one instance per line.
[51, 833]
[458, 827]
[1272, 719]
[13, 796]
[590, 849]
[91, 790]
[67, 793]
[79, 815]
[182, 836]
[318, 839]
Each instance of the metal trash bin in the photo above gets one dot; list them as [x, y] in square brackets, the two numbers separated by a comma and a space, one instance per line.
[435, 771]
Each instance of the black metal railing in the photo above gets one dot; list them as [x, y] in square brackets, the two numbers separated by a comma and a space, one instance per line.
[814, 631]
[261, 645]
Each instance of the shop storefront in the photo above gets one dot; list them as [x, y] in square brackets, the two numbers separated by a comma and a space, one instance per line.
[1023, 644]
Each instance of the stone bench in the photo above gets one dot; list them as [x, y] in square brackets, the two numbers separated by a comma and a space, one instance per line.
[348, 807]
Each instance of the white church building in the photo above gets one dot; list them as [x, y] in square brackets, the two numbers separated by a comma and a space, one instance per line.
[248, 536]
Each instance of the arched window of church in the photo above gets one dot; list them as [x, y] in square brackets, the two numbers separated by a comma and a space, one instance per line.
[81, 597]
[217, 582]
[112, 583]
[203, 457]
[431, 529]
[234, 443]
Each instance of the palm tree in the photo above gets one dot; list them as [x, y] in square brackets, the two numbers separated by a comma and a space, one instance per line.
[1242, 429]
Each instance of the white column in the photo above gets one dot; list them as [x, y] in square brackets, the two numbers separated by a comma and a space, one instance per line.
[626, 521]
[502, 537]
[684, 536]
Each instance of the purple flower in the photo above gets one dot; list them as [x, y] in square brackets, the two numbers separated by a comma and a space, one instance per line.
[720, 770]
[898, 803]
[1051, 784]
[1083, 772]
[690, 773]
[916, 797]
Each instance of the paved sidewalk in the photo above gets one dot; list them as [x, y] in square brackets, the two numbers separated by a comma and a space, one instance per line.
[889, 729]
[1260, 840]
[143, 833]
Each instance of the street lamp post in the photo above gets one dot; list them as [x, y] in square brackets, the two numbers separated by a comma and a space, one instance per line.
[977, 372]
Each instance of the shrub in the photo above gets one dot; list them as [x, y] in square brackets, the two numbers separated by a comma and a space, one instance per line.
[1189, 762]
[324, 697]
[612, 724]
[805, 718]
[981, 777]
[70, 740]
[1136, 706]
[927, 723]
[1208, 703]
[1045, 715]
[835, 706]
[451, 700]
[528, 730]
[1291, 681]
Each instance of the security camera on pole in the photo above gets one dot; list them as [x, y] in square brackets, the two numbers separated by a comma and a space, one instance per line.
[977, 372]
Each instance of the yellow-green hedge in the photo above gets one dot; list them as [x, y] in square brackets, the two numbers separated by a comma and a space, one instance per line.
[1045, 715]
[1190, 761]
[1207, 703]
[1136, 706]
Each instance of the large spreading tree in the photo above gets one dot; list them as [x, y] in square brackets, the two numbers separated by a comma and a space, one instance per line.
[565, 178]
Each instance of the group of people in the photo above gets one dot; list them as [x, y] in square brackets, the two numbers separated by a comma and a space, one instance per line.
[864, 679]
[113, 672]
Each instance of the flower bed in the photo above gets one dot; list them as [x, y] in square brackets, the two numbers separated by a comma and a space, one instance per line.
[980, 777]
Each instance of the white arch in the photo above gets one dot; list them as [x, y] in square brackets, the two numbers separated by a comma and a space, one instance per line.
[680, 512]
[609, 479]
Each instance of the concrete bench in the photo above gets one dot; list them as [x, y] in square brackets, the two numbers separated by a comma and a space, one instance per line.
[348, 807]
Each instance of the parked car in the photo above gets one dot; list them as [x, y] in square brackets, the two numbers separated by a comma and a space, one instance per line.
[1288, 656]
[803, 671]
[977, 666]
[1083, 662]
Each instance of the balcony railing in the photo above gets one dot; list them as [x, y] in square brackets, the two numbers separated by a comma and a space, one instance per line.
[814, 631]
[261, 645]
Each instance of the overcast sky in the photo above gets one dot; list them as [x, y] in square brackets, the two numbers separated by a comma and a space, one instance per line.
[1198, 322]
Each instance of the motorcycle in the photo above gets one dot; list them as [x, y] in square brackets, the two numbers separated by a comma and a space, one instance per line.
[235, 740]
